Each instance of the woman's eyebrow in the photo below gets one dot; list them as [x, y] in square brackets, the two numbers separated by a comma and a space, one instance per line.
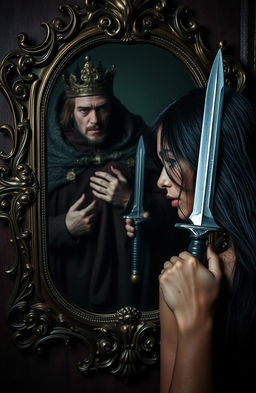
[164, 152]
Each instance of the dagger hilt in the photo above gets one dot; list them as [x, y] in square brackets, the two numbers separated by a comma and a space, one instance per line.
[135, 254]
[198, 236]
[136, 247]
[197, 246]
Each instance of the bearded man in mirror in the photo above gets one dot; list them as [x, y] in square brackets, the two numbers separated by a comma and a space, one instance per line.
[92, 141]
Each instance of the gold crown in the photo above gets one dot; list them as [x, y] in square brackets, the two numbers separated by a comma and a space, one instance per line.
[94, 81]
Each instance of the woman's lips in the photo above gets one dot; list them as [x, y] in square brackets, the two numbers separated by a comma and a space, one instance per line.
[174, 201]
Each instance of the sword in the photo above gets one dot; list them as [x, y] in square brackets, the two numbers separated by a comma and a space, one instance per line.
[137, 211]
[201, 218]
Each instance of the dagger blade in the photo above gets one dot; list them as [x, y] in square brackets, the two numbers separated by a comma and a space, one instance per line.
[201, 218]
[206, 170]
[137, 209]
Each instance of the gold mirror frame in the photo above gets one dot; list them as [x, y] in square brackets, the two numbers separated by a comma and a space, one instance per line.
[126, 342]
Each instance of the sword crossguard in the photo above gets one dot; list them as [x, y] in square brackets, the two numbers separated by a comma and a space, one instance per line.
[198, 235]
[137, 219]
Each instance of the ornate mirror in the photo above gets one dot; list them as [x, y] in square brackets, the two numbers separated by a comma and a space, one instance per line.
[159, 55]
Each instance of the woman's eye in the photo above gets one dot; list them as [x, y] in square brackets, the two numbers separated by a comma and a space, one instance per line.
[170, 162]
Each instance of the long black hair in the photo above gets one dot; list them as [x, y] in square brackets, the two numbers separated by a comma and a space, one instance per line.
[234, 206]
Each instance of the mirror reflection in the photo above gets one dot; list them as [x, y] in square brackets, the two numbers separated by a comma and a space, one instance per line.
[107, 99]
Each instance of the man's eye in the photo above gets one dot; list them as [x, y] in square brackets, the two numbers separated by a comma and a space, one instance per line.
[84, 111]
[103, 108]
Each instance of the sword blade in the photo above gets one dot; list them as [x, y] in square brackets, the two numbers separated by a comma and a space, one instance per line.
[206, 170]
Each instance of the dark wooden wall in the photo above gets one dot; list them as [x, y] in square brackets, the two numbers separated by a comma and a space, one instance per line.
[55, 371]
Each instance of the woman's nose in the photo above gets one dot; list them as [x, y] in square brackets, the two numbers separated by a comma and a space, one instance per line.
[164, 180]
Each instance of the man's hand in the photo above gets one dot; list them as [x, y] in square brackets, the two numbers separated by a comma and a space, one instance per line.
[81, 221]
[129, 225]
[112, 189]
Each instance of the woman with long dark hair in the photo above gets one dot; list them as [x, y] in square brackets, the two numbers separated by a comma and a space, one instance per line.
[208, 313]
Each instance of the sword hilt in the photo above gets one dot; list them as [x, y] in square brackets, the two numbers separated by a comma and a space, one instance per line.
[198, 236]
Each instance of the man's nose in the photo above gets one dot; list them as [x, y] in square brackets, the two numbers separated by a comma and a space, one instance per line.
[94, 116]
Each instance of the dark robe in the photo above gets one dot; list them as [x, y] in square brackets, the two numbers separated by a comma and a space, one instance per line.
[94, 271]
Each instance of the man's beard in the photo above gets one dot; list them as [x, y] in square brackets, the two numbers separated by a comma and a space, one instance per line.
[97, 142]
[87, 141]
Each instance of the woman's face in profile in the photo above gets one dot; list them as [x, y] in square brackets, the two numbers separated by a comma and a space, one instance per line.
[179, 192]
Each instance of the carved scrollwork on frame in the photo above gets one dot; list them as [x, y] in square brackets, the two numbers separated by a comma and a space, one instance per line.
[126, 342]
[126, 347]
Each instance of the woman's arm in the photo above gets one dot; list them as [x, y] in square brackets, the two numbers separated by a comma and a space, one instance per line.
[168, 344]
[191, 290]
[193, 364]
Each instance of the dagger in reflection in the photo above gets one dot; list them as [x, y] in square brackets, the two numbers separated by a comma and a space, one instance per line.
[137, 211]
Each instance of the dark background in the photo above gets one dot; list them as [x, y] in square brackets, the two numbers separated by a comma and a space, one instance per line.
[54, 372]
